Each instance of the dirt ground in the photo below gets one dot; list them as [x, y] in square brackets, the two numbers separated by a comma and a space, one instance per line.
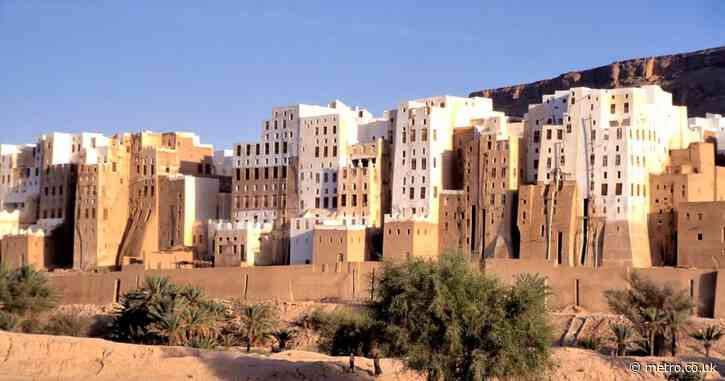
[41, 357]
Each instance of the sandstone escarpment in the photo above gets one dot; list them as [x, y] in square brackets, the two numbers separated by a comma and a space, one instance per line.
[696, 80]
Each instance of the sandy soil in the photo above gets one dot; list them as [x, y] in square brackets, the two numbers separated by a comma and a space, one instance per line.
[41, 357]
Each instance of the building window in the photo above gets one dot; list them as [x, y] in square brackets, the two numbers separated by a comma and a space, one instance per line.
[699, 236]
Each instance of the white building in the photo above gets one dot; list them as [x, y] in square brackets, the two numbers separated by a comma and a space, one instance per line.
[236, 242]
[324, 140]
[423, 157]
[20, 180]
[302, 231]
[609, 142]
[711, 124]
[224, 162]
[63, 148]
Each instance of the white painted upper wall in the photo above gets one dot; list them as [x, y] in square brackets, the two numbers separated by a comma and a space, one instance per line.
[423, 147]
[609, 141]
[712, 123]
[200, 202]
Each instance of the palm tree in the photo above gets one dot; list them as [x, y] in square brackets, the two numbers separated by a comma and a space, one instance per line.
[678, 307]
[157, 287]
[283, 336]
[27, 291]
[169, 320]
[675, 320]
[200, 323]
[708, 336]
[623, 334]
[192, 294]
[653, 323]
[256, 321]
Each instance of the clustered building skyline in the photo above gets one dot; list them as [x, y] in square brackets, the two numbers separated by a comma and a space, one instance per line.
[588, 177]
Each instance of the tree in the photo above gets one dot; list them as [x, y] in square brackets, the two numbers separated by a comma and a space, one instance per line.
[161, 312]
[707, 336]
[344, 331]
[25, 292]
[283, 336]
[623, 335]
[452, 322]
[673, 308]
[653, 322]
[256, 322]
[675, 319]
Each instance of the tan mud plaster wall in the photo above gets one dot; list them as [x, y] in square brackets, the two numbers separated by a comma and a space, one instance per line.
[585, 287]
[342, 281]
[351, 281]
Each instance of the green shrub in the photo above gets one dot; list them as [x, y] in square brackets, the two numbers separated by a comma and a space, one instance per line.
[25, 292]
[68, 324]
[256, 322]
[283, 336]
[8, 321]
[161, 312]
[622, 336]
[691, 375]
[654, 311]
[593, 343]
[452, 322]
[31, 325]
[708, 336]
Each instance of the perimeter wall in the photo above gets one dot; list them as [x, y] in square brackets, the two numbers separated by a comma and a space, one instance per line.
[578, 286]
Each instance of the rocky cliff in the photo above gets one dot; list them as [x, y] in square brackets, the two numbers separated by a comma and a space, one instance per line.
[696, 80]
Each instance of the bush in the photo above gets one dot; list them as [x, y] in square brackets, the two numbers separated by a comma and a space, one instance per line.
[593, 343]
[164, 313]
[25, 292]
[653, 310]
[283, 336]
[256, 322]
[68, 324]
[623, 335]
[692, 375]
[708, 336]
[452, 322]
[31, 325]
[8, 321]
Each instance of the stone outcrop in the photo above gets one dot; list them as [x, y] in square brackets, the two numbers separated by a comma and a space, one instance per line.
[696, 80]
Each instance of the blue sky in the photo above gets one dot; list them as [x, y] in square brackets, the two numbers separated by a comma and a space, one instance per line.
[217, 67]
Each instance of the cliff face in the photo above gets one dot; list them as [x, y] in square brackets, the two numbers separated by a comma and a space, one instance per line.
[696, 80]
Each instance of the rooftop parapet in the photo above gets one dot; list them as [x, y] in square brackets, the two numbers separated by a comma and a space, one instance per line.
[227, 225]
[399, 217]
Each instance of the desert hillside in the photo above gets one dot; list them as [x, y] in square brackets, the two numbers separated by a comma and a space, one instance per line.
[695, 79]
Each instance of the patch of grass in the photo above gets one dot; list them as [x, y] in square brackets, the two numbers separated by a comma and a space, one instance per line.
[592, 343]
